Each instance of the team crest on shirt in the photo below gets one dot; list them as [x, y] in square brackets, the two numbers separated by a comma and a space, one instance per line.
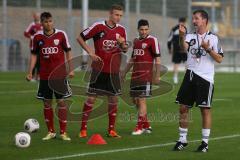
[56, 41]
[101, 34]
[144, 45]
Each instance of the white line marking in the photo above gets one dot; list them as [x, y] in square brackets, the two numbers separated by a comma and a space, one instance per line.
[131, 149]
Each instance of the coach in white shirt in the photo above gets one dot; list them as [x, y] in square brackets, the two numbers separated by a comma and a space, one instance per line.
[203, 49]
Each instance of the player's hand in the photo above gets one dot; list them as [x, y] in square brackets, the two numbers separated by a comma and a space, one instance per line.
[120, 39]
[182, 30]
[71, 74]
[205, 45]
[94, 57]
[29, 77]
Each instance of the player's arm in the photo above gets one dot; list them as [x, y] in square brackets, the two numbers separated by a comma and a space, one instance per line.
[32, 62]
[70, 64]
[27, 31]
[217, 56]
[182, 34]
[88, 49]
[157, 70]
[169, 43]
[127, 68]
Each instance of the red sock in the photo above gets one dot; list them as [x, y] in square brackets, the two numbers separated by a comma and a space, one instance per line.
[140, 122]
[112, 115]
[87, 109]
[48, 115]
[146, 122]
[62, 118]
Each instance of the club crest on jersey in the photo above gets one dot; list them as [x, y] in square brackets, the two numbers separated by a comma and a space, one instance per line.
[144, 45]
[56, 41]
[101, 34]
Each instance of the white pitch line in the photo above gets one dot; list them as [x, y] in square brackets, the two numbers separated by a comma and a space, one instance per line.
[131, 149]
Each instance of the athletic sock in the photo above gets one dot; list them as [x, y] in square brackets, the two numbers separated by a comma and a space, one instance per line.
[48, 115]
[62, 117]
[87, 109]
[112, 114]
[183, 135]
[205, 135]
[146, 122]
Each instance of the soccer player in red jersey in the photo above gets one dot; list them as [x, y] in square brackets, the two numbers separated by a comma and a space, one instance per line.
[146, 50]
[52, 46]
[109, 41]
[33, 28]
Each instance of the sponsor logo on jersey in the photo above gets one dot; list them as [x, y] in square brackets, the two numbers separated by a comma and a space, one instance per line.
[138, 52]
[109, 44]
[49, 50]
[56, 41]
[144, 45]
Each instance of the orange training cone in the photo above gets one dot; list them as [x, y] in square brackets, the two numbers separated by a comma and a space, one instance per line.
[96, 139]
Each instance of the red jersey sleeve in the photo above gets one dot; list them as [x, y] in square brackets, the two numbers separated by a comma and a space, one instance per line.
[65, 43]
[90, 32]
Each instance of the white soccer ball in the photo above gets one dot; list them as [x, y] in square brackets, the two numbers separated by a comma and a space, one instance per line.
[22, 139]
[31, 125]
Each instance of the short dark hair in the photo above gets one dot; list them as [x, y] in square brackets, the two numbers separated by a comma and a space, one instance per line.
[45, 15]
[182, 19]
[116, 7]
[143, 22]
[203, 14]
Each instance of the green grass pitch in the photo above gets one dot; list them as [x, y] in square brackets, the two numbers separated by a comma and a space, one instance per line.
[18, 103]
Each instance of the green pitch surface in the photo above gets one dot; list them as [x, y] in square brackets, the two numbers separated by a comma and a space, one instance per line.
[18, 103]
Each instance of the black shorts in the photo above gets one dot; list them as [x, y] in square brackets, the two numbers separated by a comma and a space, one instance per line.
[179, 57]
[104, 84]
[60, 88]
[143, 89]
[195, 89]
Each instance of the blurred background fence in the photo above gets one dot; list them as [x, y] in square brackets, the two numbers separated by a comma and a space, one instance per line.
[74, 15]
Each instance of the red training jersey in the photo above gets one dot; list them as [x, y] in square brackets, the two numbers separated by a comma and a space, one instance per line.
[105, 44]
[144, 52]
[32, 29]
[51, 49]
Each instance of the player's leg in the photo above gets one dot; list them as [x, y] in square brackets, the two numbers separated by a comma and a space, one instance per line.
[87, 109]
[46, 94]
[175, 73]
[176, 59]
[186, 98]
[62, 118]
[142, 114]
[204, 99]
[49, 119]
[112, 115]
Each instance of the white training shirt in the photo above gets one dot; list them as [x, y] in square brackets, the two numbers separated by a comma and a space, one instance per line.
[203, 66]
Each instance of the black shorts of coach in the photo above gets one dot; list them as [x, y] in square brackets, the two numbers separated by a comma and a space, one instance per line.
[60, 88]
[140, 89]
[179, 57]
[195, 89]
[104, 84]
